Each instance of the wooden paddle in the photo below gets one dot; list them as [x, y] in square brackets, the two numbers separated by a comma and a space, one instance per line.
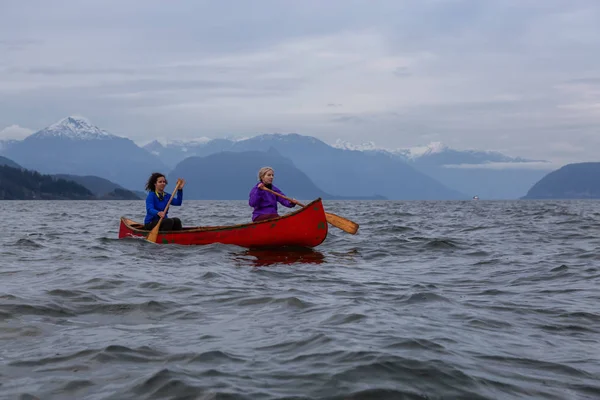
[153, 235]
[339, 222]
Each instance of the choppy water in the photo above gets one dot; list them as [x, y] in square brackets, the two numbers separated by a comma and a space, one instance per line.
[435, 300]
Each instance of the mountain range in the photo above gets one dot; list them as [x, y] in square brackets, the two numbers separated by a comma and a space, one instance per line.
[461, 173]
[340, 172]
[74, 146]
[231, 175]
[573, 181]
[487, 174]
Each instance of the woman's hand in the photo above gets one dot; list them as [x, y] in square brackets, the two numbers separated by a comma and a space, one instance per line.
[261, 185]
[295, 201]
[161, 214]
[181, 183]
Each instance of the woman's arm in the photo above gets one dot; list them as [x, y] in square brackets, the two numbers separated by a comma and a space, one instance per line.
[256, 196]
[178, 200]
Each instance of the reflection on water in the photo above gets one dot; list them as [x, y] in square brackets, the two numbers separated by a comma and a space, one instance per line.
[288, 256]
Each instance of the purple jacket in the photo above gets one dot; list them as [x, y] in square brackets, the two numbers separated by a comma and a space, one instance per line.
[265, 202]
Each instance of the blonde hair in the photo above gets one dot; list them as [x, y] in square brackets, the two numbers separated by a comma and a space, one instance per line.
[263, 171]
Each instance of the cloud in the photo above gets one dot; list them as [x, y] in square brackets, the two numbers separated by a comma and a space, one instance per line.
[515, 75]
[15, 132]
[66, 70]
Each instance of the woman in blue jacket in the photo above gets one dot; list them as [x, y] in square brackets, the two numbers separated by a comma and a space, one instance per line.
[157, 200]
[263, 202]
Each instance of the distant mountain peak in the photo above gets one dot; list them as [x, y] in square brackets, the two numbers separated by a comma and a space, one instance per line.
[431, 148]
[74, 127]
[410, 152]
[345, 145]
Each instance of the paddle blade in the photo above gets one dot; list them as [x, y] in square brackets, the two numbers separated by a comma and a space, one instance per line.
[344, 224]
[153, 235]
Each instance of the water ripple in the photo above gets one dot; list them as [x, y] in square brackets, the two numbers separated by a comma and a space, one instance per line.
[430, 300]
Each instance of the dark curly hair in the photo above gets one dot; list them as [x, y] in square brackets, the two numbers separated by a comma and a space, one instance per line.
[151, 184]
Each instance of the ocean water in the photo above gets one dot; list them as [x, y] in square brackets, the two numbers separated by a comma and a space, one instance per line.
[430, 300]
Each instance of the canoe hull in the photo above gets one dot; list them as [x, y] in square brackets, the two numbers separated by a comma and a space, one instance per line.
[306, 227]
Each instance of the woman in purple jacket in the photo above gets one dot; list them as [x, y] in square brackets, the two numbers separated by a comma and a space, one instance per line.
[263, 202]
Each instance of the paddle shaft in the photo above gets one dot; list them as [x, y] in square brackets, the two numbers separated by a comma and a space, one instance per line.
[280, 195]
[154, 232]
[170, 200]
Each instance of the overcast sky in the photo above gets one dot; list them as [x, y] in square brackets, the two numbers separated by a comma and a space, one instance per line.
[517, 76]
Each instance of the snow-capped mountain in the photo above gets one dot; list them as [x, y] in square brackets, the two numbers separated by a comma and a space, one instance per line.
[420, 151]
[410, 153]
[489, 174]
[75, 146]
[345, 145]
[435, 152]
[74, 127]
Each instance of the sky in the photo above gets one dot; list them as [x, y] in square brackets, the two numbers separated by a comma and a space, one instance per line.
[517, 76]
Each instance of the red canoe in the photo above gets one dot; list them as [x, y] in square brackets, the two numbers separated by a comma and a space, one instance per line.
[306, 227]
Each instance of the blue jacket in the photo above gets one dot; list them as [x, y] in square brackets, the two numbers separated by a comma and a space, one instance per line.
[265, 202]
[154, 205]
